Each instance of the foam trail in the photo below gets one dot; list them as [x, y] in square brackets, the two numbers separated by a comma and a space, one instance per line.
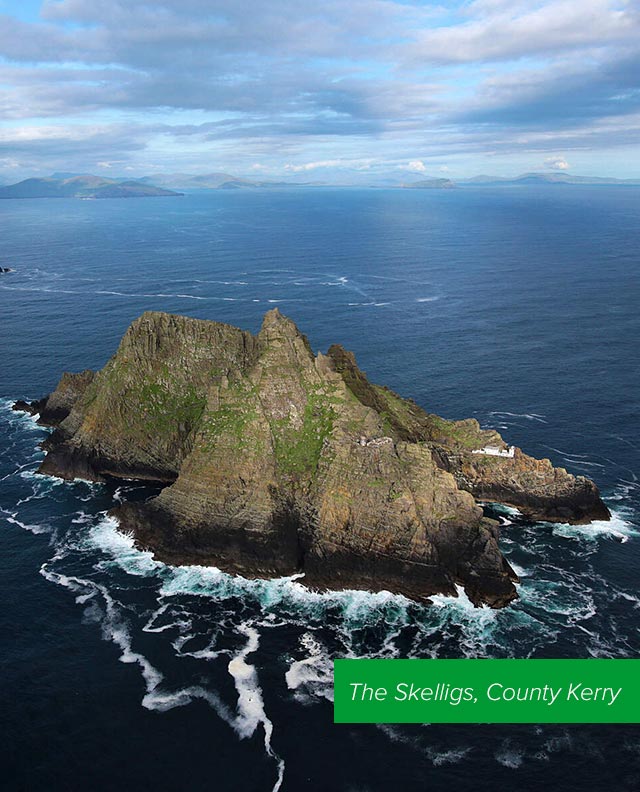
[164, 700]
[567, 453]
[251, 711]
[528, 416]
[11, 517]
[114, 629]
[437, 758]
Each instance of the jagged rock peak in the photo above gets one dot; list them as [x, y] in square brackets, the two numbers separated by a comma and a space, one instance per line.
[276, 324]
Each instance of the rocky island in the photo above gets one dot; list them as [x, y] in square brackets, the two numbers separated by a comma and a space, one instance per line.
[279, 461]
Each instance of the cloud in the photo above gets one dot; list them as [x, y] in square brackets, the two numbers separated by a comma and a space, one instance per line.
[317, 85]
[309, 166]
[417, 166]
[577, 94]
[47, 148]
[337, 163]
[556, 163]
[507, 29]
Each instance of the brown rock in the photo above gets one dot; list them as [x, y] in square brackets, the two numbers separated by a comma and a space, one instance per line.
[281, 461]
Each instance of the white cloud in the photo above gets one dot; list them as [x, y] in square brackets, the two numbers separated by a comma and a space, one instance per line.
[350, 164]
[504, 30]
[417, 166]
[556, 163]
[342, 89]
[309, 166]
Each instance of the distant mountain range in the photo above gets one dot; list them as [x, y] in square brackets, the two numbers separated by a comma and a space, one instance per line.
[87, 186]
[214, 181]
[545, 178]
[82, 186]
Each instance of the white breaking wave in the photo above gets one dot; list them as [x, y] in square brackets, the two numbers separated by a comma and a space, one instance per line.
[502, 508]
[107, 537]
[207, 581]
[312, 677]
[616, 528]
[519, 570]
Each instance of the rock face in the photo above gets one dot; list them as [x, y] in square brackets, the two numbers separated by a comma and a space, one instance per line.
[280, 462]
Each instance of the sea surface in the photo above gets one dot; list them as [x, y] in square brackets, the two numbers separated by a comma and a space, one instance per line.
[519, 307]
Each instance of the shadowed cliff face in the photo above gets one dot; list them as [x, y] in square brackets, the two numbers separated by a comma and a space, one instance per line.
[283, 462]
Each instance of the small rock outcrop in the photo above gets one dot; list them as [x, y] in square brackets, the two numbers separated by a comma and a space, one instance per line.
[280, 461]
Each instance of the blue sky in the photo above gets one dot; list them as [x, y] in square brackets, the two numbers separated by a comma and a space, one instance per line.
[328, 90]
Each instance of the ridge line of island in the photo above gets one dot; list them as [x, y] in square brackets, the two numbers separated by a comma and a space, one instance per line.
[276, 461]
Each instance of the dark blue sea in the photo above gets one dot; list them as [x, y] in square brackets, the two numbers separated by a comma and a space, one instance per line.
[519, 307]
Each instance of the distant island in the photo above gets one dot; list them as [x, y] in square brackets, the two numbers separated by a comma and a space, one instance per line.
[280, 462]
[87, 187]
[430, 184]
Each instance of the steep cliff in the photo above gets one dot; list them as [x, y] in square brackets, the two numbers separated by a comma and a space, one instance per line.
[280, 461]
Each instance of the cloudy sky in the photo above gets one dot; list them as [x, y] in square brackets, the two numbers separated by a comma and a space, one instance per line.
[337, 90]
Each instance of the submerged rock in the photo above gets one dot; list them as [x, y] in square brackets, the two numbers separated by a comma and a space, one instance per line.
[280, 461]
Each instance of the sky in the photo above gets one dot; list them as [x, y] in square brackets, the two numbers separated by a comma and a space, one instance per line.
[341, 91]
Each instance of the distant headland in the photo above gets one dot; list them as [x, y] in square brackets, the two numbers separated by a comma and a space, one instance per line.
[85, 187]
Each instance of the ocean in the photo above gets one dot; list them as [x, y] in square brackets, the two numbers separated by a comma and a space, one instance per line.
[516, 306]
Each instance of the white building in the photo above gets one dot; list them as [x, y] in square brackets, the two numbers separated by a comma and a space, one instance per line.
[496, 451]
